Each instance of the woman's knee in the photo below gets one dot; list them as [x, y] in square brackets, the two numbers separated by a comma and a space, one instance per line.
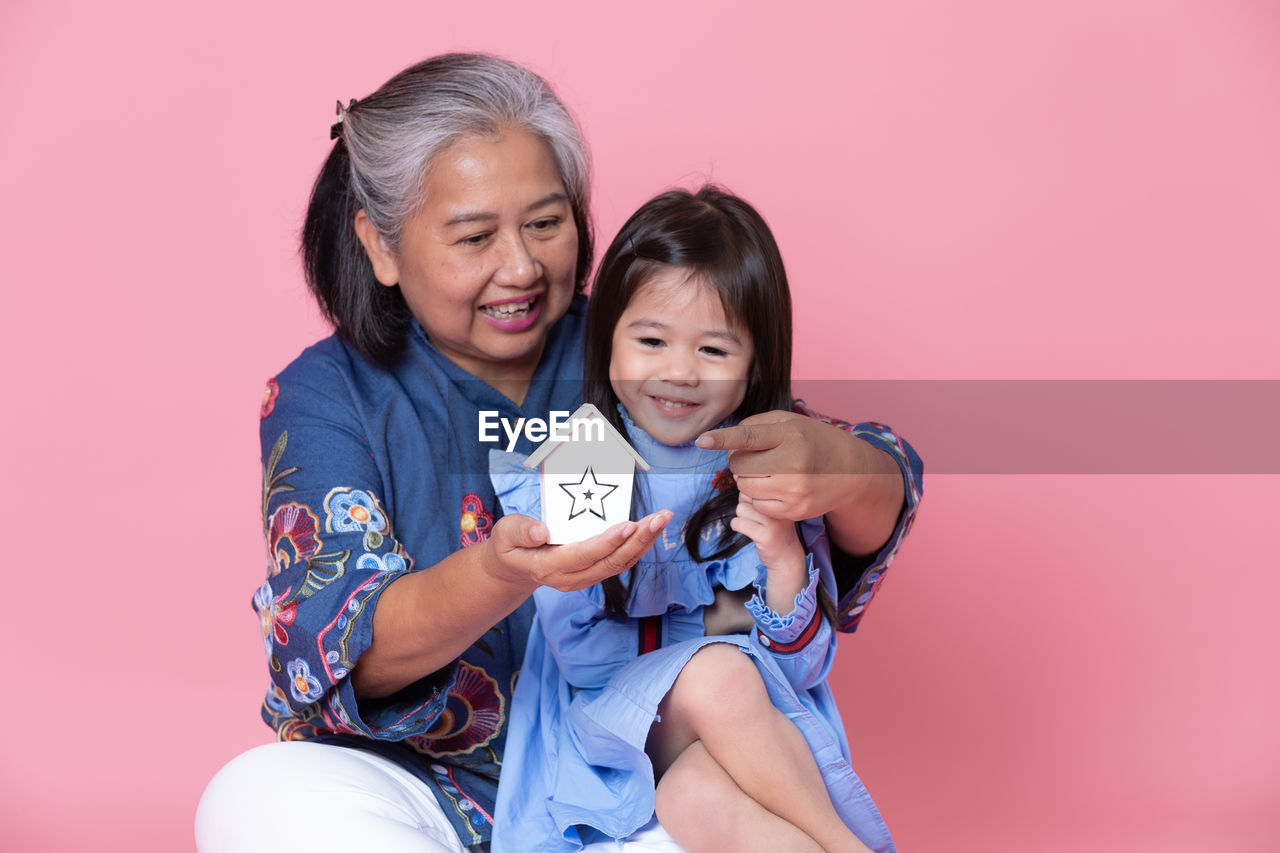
[290, 795]
[242, 786]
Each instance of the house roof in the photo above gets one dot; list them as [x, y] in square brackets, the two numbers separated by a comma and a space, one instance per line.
[586, 410]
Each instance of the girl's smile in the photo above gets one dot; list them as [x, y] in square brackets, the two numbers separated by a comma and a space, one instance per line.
[679, 364]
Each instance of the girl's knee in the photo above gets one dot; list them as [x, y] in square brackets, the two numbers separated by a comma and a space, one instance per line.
[719, 678]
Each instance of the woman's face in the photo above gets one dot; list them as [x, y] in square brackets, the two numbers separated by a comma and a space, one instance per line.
[678, 364]
[487, 263]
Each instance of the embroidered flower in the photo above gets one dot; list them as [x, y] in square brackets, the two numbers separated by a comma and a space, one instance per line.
[273, 617]
[304, 686]
[291, 536]
[385, 563]
[295, 729]
[275, 701]
[472, 715]
[269, 398]
[352, 510]
[723, 480]
[476, 521]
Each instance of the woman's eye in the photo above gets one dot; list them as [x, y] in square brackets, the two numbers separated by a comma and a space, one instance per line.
[474, 239]
[547, 224]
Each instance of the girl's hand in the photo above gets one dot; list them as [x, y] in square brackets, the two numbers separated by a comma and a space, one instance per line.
[775, 538]
[780, 550]
[518, 553]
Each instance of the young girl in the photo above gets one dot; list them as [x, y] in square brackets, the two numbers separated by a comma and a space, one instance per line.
[672, 688]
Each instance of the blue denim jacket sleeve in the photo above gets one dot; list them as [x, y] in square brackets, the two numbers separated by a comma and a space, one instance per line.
[332, 552]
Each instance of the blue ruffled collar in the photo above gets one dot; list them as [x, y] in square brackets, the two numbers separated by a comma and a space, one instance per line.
[682, 457]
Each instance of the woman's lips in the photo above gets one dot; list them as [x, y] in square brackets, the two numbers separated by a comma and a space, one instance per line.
[513, 315]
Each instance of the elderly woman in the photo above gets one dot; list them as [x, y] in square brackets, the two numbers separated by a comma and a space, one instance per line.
[448, 239]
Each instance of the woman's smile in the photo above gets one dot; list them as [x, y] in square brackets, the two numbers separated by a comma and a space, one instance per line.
[513, 315]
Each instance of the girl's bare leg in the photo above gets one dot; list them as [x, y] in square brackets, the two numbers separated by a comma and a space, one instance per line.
[720, 700]
[706, 812]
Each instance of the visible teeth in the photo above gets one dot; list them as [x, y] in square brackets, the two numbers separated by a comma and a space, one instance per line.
[671, 404]
[508, 309]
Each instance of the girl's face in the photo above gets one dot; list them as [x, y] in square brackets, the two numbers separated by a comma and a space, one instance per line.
[679, 364]
[487, 264]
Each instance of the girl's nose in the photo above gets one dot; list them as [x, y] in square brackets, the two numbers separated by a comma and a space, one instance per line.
[679, 367]
[517, 267]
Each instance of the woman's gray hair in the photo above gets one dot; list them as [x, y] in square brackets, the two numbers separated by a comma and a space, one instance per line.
[393, 135]
[385, 145]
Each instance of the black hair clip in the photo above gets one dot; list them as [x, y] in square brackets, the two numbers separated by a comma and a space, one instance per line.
[335, 129]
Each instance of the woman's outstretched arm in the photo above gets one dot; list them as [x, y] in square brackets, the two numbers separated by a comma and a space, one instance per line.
[427, 619]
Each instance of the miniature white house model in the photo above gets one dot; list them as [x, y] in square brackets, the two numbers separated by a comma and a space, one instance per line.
[585, 476]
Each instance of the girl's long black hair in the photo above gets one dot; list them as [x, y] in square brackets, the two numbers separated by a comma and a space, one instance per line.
[721, 240]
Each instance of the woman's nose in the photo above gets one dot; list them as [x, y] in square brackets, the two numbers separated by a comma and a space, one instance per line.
[517, 267]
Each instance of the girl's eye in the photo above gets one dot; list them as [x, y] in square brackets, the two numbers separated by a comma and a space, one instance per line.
[715, 351]
[650, 342]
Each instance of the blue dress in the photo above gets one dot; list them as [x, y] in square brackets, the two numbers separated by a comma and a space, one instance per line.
[575, 770]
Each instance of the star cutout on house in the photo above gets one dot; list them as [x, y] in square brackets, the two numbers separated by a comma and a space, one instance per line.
[588, 495]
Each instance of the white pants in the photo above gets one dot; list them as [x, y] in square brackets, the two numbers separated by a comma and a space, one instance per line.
[298, 795]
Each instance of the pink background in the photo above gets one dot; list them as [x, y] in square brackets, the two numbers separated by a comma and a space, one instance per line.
[992, 189]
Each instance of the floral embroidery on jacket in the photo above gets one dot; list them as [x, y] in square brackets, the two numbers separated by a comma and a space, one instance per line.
[291, 536]
[476, 521]
[473, 714]
[382, 563]
[304, 686]
[269, 399]
[348, 510]
[274, 616]
[294, 525]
